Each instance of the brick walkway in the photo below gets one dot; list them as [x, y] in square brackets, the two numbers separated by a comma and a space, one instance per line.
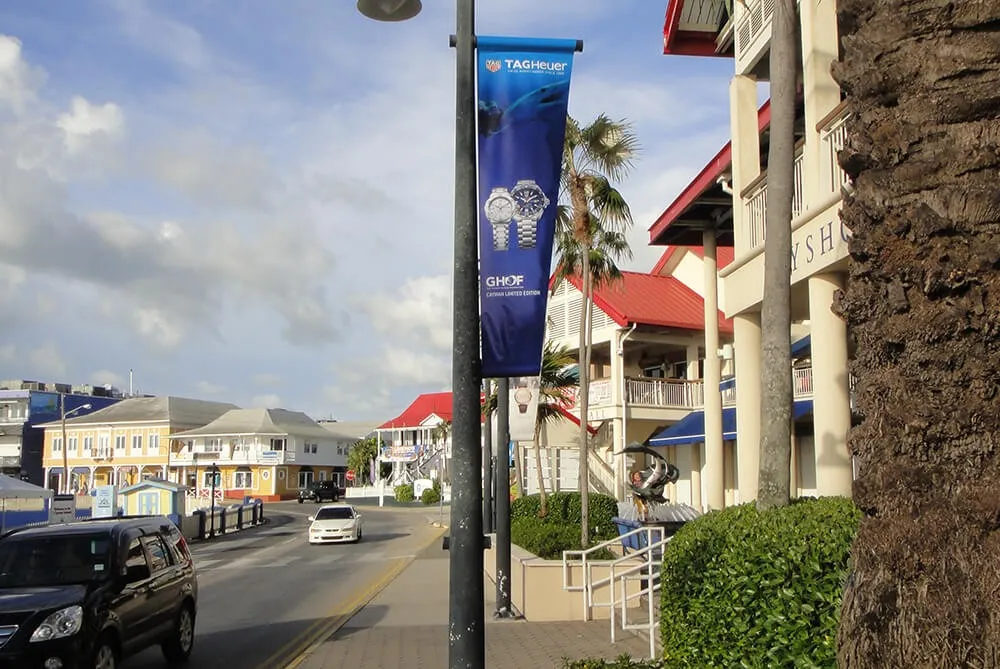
[406, 625]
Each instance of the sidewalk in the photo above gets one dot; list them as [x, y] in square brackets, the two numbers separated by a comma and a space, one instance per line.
[406, 625]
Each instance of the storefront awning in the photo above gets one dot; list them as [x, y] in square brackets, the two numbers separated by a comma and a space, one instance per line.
[691, 428]
[801, 347]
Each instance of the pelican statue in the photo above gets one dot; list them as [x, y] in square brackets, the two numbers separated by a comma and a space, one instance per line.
[647, 485]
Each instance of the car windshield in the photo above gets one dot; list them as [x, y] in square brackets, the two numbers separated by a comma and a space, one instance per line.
[54, 560]
[335, 513]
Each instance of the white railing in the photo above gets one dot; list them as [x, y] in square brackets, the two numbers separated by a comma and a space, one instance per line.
[802, 382]
[601, 472]
[755, 204]
[642, 564]
[834, 135]
[650, 392]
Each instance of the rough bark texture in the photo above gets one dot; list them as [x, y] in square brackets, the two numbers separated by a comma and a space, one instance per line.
[584, 402]
[922, 79]
[774, 486]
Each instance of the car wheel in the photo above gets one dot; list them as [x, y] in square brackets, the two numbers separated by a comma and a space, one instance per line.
[105, 654]
[300, 500]
[358, 537]
[177, 649]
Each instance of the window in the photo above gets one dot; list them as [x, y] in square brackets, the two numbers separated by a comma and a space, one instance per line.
[322, 475]
[104, 445]
[159, 557]
[88, 445]
[335, 513]
[208, 479]
[154, 444]
[277, 444]
[136, 442]
[135, 562]
[57, 444]
[244, 480]
[305, 479]
[213, 445]
[73, 444]
[54, 560]
[340, 450]
[120, 442]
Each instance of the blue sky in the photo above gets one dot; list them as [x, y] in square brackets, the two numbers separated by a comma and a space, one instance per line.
[251, 201]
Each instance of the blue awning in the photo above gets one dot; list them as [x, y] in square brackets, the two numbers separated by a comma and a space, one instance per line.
[691, 428]
[801, 347]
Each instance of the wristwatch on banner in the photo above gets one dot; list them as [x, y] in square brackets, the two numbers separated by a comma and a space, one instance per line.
[529, 204]
[522, 396]
[499, 212]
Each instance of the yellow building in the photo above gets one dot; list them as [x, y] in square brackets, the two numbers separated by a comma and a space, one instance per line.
[265, 453]
[121, 444]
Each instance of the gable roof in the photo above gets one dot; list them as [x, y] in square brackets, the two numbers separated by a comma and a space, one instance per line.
[154, 483]
[648, 299]
[438, 404]
[181, 411]
[351, 430]
[723, 256]
[259, 421]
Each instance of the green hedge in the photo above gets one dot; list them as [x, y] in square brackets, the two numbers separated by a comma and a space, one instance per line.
[404, 493]
[431, 495]
[559, 530]
[621, 662]
[742, 588]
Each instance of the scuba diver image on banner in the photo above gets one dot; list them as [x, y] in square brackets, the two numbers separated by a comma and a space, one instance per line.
[523, 98]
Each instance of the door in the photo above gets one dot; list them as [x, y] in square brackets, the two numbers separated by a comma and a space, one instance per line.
[165, 589]
[149, 503]
[131, 604]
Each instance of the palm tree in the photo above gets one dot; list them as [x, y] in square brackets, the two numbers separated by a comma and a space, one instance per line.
[440, 435]
[555, 381]
[921, 305]
[774, 482]
[595, 157]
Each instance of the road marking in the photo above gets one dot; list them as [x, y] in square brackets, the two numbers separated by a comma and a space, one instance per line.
[205, 564]
[295, 652]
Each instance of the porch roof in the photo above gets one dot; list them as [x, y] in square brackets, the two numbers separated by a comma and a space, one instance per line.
[691, 428]
[181, 411]
[692, 28]
[697, 206]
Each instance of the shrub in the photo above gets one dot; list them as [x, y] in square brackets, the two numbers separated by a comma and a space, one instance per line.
[404, 493]
[431, 495]
[547, 537]
[745, 588]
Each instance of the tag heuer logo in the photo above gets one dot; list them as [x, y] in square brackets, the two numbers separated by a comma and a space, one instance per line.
[492, 65]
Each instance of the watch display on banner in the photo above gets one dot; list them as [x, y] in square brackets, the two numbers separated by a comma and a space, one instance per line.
[529, 204]
[500, 212]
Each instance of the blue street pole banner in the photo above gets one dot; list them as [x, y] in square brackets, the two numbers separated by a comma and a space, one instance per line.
[523, 101]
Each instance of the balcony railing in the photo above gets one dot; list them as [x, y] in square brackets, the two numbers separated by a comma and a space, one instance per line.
[833, 134]
[755, 203]
[239, 457]
[664, 393]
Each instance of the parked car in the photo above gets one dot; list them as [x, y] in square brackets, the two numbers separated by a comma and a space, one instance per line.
[334, 523]
[319, 491]
[90, 593]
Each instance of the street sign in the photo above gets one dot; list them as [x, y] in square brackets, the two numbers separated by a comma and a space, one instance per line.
[350, 475]
[105, 502]
[63, 509]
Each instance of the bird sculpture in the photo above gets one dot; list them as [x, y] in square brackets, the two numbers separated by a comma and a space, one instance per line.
[648, 485]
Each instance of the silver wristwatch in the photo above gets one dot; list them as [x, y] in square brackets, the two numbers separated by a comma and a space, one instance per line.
[530, 203]
[499, 212]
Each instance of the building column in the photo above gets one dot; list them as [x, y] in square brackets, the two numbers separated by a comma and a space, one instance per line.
[745, 133]
[746, 332]
[821, 94]
[831, 388]
[619, 439]
[715, 486]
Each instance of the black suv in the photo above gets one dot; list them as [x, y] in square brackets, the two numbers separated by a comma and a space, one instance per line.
[87, 594]
[319, 491]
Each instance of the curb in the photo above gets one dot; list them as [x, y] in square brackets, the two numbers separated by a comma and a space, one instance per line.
[317, 635]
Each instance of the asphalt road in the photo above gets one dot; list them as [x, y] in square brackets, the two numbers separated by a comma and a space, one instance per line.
[264, 595]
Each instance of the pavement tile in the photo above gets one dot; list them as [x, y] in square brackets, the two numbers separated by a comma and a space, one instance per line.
[406, 625]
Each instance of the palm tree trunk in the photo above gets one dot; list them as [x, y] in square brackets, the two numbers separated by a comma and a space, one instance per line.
[518, 478]
[543, 508]
[921, 303]
[584, 401]
[776, 355]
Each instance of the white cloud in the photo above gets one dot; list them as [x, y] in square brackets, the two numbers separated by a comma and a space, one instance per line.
[266, 401]
[84, 121]
[18, 80]
[207, 388]
[419, 312]
[47, 360]
[267, 379]
[106, 377]
[8, 353]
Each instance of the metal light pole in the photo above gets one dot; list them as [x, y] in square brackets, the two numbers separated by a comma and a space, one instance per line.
[65, 444]
[503, 609]
[213, 470]
[488, 464]
[466, 633]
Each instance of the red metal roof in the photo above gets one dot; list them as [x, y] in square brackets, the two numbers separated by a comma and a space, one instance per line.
[425, 405]
[648, 299]
[678, 42]
[715, 168]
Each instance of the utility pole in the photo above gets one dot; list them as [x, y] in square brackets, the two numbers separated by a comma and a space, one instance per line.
[503, 500]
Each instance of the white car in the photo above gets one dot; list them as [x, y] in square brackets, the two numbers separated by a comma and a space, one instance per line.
[334, 523]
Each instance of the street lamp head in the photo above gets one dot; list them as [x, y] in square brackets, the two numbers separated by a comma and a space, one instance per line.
[390, 10]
